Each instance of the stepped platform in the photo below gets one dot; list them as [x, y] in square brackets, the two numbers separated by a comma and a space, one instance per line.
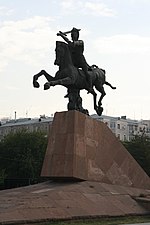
[50, 201]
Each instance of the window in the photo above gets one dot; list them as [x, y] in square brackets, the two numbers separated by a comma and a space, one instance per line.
[112, 125]
[118, 126]
[123, 127]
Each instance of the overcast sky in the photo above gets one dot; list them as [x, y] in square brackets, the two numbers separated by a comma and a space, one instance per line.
[116, 35]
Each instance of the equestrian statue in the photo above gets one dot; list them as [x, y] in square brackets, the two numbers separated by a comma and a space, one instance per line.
[75, 74]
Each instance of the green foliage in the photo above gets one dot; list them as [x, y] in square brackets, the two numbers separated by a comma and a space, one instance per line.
[102, 221]
[139, 148]
[21, 154]
[2, 176]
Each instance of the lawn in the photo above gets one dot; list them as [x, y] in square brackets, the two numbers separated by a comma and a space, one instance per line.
[101, 221]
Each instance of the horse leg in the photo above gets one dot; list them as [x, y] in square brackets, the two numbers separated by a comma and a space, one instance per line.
[36, 76]
[48, 76]
[94, 99]
[98, 108]
[64, 82]
[99, 87]
[101, 97]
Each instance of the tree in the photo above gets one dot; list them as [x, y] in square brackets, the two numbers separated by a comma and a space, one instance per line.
[22, 154]
[139, 148]
[2, 177]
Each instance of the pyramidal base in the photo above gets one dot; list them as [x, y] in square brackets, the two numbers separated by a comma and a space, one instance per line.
[80, 147]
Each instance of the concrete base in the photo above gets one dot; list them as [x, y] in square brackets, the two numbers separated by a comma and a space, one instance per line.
[80, 147]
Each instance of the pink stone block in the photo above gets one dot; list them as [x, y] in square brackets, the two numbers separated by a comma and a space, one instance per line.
[84, 148]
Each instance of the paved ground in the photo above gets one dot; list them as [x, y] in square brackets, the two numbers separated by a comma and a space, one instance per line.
[71, 200]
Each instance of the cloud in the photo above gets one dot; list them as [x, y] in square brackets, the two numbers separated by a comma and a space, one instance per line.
[98, 9]
[95, 8]
[12, 88]
[25, 40]
[68, 4]
[123, 44]
[4, 11]
[138, 1]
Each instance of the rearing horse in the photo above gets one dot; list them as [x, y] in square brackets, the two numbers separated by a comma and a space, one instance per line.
[74, 79]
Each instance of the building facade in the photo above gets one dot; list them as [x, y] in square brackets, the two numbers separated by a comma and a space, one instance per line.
[13, 126]
[123, 128]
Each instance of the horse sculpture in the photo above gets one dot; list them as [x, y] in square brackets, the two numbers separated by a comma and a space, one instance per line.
[74, 80]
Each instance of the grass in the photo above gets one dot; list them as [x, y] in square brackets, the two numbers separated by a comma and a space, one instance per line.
[101, 221]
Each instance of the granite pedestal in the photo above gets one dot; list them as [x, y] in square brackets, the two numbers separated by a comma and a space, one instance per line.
[80, 147]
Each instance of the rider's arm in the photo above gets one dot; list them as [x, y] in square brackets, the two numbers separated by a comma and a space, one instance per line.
[64, 37]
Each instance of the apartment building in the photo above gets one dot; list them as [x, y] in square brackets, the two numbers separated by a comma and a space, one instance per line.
[123, 128]
[12, 126]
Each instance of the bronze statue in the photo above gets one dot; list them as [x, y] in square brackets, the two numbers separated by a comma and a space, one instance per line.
[77, 48]
[74, 78]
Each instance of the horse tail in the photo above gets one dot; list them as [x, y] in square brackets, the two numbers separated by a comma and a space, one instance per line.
[107, 83]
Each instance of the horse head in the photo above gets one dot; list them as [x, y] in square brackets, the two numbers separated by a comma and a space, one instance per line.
[63, 57]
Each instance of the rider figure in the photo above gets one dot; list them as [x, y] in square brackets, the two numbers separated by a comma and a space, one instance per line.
[76, 48]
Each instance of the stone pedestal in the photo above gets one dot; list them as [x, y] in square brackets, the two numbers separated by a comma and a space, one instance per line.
[84, 148]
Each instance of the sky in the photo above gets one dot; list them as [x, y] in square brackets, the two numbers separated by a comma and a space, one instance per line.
[116, 35]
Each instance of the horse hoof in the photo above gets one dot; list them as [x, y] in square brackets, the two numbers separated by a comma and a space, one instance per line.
[99, 110]
[36, 84]
[46, 86]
